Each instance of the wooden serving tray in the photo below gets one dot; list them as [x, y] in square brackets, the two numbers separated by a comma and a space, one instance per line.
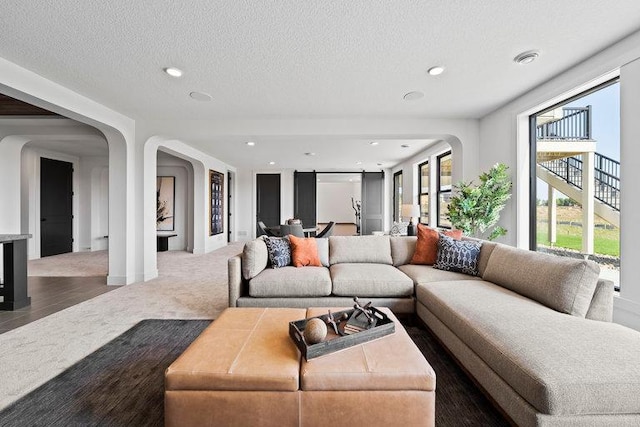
[333, 342]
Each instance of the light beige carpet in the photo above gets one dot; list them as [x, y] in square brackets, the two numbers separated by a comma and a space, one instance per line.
[75, 264]
[188, 287]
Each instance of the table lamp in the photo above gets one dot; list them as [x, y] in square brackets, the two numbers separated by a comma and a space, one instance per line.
[410, 211]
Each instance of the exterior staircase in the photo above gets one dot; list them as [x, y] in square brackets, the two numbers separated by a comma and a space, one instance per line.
[566, 159]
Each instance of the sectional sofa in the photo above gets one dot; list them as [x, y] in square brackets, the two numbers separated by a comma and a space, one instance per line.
[533, 330]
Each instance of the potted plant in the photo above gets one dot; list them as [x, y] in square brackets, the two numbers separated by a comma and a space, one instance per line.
[475, 209]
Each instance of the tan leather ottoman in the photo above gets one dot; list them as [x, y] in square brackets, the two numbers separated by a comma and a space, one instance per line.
[386, 382]
[244, 370]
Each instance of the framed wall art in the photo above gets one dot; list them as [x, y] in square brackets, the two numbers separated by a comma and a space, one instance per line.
[165, 203]
[216, 206]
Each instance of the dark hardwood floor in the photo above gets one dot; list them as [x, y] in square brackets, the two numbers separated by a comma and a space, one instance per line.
[52, 294]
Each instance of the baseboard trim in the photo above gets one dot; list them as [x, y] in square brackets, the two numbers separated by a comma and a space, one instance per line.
[116, 280]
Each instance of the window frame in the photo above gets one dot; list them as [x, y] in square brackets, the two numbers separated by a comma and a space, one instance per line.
[397, 211]
[421, 193]
[439, 190]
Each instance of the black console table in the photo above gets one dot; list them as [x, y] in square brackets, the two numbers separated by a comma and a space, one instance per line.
[163, 241]
[14, 287]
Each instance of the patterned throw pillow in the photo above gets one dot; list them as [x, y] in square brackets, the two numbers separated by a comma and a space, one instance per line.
[399, 228]
[279, 251]
[426, 251]
[458, 255]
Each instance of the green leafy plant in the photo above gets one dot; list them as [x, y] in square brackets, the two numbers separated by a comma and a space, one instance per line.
[475, 209]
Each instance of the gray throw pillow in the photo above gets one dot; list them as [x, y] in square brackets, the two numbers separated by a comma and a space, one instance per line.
[458, 255]
[279, 250]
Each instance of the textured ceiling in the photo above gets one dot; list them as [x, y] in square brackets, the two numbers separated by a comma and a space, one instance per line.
[310, 59]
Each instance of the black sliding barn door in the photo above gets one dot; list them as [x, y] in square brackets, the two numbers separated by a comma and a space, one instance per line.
[372, 202]
[305, 198]
[56, 207]
[268, 199]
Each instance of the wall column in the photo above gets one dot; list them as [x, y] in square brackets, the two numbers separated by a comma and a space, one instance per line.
[552, 214]
[588, 223]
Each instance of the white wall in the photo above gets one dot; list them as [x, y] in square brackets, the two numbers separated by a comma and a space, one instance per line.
[334, 201]
[504, 138]
[94, 203]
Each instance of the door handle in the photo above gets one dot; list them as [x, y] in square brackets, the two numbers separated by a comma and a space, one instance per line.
[43, 219]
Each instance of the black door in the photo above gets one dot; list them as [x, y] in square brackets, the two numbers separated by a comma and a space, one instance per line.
[268, 199]
[56, 193]
[304, 198]
[372, 202]
[229, 207]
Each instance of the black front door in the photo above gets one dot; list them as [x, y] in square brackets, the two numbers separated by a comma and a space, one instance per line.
[56, 194]
[268, 199]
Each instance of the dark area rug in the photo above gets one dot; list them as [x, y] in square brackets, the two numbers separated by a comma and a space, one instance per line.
[458, 401]
[122, 383]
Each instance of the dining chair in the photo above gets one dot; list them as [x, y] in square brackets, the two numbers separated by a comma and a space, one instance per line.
[265, 230]
[293, 229]
[327, 231]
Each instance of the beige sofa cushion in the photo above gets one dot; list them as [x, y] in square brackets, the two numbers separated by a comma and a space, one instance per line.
[364, 249]
[291, 282]
[370, 280]
[402, 249]
[560, 364]
[323, 250]
[564, 284]
[426, 274]
[254, 258]
[602, 302]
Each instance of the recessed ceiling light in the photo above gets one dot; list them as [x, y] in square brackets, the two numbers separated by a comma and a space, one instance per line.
[272, 163]
[251, 143]
[526, 57]
[435, 71]
[173, 71]
[358, 163]
[350, 179]
[200, 96]
[412, 96]
[405, 146]
[309, 154]
[374, 143]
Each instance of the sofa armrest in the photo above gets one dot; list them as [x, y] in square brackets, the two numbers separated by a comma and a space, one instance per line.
[234, 265]
[601, 307]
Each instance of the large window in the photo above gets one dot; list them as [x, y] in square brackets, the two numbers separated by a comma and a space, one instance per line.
[444, 189]
[397, 196]
[575, 190]
[424, 192]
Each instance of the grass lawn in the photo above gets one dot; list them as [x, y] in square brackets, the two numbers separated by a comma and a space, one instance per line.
[607, 242]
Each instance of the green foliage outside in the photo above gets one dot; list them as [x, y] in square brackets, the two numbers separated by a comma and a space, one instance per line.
[475, 209]
[606, 242]
[563, 201]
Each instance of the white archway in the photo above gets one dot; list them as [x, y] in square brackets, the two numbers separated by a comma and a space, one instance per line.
[119, 132]
[197, 225]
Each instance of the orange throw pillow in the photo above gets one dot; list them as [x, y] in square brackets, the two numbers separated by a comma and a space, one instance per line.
[304, 252]
[427, 244]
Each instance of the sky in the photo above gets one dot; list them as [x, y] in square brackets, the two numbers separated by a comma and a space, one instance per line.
[605, 125]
